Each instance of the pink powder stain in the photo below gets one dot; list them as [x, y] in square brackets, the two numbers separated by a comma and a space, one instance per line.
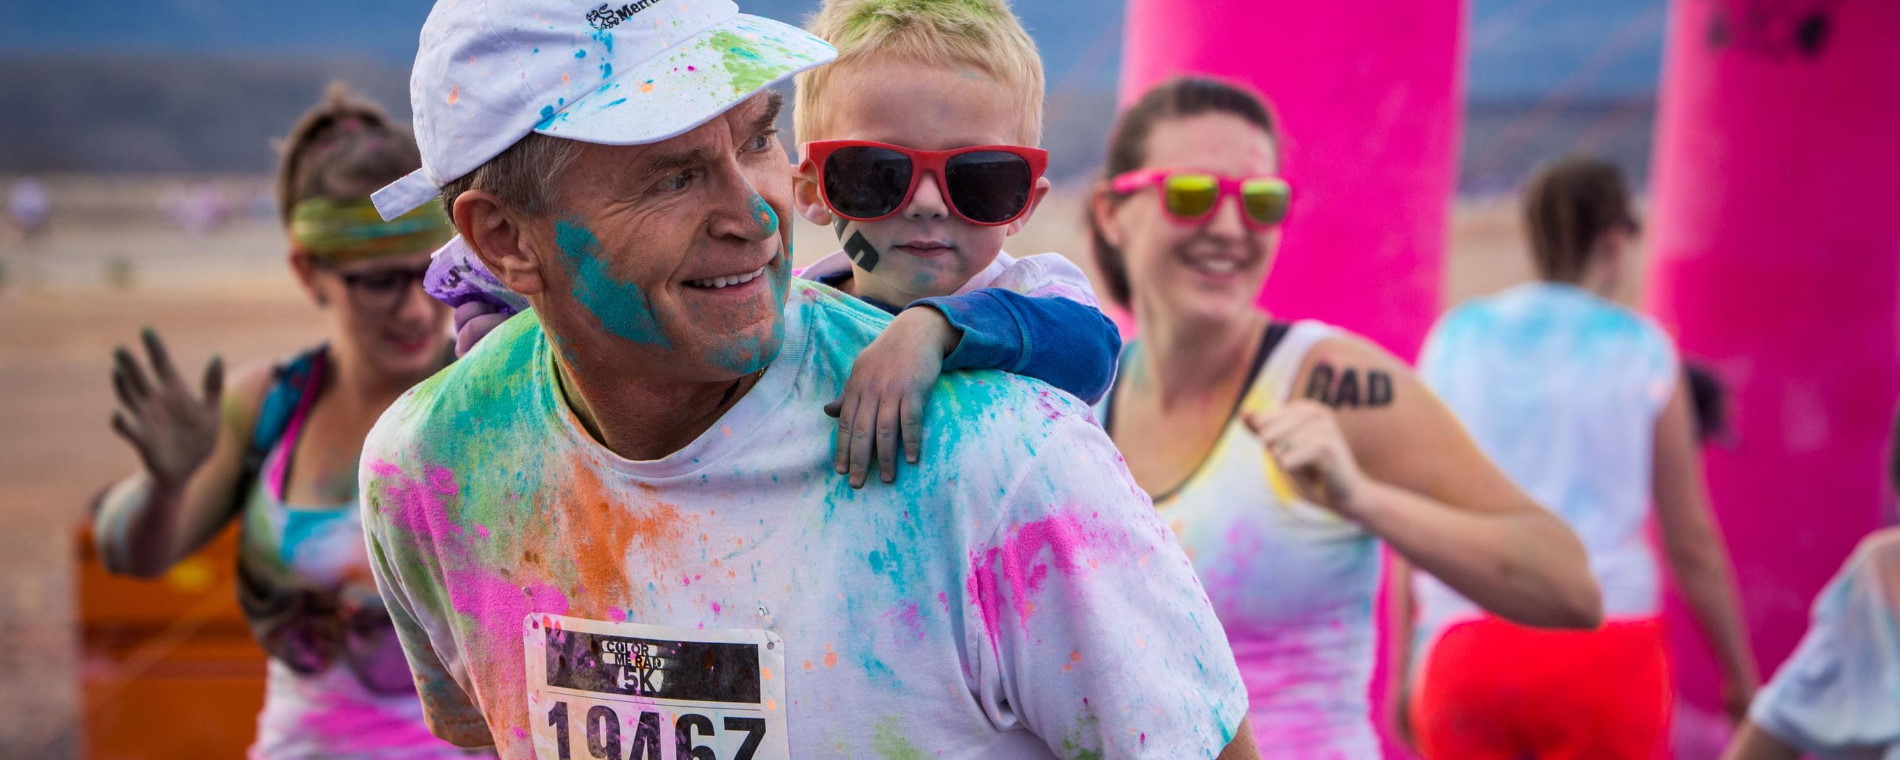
[349, 726]
[715, 608]
[911, 617]
[1023, 568]
[413, 507]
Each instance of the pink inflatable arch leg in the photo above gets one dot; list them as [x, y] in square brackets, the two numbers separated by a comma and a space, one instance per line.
[1369, 98]
[1776, 258]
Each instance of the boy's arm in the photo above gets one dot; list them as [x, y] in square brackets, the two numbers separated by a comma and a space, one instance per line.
[1062, 342]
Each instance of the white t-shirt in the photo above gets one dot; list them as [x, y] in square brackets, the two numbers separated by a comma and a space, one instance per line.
[1838, 696]
[1562, 389]
[1043, 275]
[1011, 596]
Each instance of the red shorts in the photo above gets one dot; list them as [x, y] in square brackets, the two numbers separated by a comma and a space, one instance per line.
[1494, 689]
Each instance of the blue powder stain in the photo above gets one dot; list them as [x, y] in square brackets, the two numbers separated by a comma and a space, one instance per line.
[580, 53]
[615, 103]
[606, 40]
[877, 562]
[606, 70]
[547, 115]
[744, 53]
[763, 212]
[536, 50]
[619, 306]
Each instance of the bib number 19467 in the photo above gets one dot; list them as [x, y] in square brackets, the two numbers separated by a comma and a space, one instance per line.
[626, 691]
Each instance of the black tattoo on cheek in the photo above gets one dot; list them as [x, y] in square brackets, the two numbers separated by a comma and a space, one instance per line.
[1347, 390]
[860, 250]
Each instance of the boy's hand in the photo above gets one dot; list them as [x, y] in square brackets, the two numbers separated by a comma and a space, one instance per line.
[883, 400]
[473, 320]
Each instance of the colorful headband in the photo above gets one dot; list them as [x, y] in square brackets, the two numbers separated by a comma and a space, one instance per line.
[344, 231]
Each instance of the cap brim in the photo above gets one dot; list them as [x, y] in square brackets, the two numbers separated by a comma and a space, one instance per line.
[690, 83]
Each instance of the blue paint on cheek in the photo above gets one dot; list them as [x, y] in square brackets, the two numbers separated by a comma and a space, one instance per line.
[619, 306]
[762, 213]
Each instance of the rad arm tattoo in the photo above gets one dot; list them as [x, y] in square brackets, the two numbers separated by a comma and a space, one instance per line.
[1349, 388]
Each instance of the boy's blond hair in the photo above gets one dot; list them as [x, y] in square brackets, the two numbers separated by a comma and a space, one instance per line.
[979, 34]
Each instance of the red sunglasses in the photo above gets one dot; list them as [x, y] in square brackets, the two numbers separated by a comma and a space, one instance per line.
[1190, 196]
[987, 185]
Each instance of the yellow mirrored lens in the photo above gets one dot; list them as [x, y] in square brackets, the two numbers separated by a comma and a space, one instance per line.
[1265, 199]
[1191, 195]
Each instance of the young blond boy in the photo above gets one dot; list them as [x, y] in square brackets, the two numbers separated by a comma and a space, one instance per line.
[943, 76]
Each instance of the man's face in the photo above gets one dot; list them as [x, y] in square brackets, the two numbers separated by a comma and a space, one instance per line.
[674, 250]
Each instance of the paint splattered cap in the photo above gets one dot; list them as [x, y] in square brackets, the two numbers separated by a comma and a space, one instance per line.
[624, 72]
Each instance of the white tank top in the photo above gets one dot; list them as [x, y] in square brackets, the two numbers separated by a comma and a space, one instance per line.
[1292, 582]
[312, 563]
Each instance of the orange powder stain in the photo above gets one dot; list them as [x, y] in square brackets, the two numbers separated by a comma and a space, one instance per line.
[1068, 666]
[808, 665]
[831, 658]
[455, 94]
[765, 672]
[563, 78]
[646, 88]
[598, 530]
[1075, 656]
[771, 704]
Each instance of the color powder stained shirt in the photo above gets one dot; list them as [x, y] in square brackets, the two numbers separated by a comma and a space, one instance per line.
[1012, 596]
[1562, 389]
[1838, 696]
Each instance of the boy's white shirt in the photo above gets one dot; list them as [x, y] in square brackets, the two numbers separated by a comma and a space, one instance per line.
[1039, 276]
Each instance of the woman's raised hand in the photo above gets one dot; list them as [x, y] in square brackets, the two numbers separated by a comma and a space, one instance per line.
[173, 428]
[1305, 439]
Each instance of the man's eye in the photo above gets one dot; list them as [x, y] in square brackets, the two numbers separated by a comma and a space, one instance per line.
[679, 181]
[761, 141]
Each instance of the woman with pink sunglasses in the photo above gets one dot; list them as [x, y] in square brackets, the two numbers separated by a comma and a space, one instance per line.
[1283, 454]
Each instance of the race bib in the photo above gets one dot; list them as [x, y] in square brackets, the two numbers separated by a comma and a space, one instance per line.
[628, 691]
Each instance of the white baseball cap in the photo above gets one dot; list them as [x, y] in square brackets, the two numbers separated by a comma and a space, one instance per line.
[624, 72]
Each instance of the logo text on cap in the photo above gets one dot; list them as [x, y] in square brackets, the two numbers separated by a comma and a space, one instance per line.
[604, 18]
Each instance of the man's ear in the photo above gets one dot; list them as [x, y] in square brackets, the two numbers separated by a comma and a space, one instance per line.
[1035, 199]
[806, 199]
[501, 239]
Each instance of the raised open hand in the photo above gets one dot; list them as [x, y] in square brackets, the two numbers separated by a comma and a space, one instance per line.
[173, 428]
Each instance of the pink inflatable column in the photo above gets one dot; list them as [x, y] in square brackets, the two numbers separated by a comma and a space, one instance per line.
[1368, 95]
[1776, 259]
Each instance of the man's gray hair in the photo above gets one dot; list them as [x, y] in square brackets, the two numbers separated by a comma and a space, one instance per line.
[522, 176]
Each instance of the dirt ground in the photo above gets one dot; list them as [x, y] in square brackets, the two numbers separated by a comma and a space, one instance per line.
[110, 265]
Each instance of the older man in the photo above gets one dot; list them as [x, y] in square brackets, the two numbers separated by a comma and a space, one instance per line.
[613, 530]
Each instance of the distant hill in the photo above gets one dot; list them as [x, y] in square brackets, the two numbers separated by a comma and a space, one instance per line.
[166, 114]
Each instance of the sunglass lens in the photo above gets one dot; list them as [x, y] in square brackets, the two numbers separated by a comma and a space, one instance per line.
[989, 186]
[1191, 196]
[1265, 199]
[863, 182]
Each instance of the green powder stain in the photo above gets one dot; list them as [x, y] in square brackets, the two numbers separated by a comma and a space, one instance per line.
[889, 742]
[619, 306]
[749, 72]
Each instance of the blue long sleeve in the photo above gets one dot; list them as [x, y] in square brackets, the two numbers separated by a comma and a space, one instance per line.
[1069, 345]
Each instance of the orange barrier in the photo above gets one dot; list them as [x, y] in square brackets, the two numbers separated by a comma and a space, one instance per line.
[168, 666]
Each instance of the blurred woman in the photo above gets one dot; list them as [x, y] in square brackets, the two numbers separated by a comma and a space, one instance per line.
[1283, 453]
[277, 453]
[1585, 404]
